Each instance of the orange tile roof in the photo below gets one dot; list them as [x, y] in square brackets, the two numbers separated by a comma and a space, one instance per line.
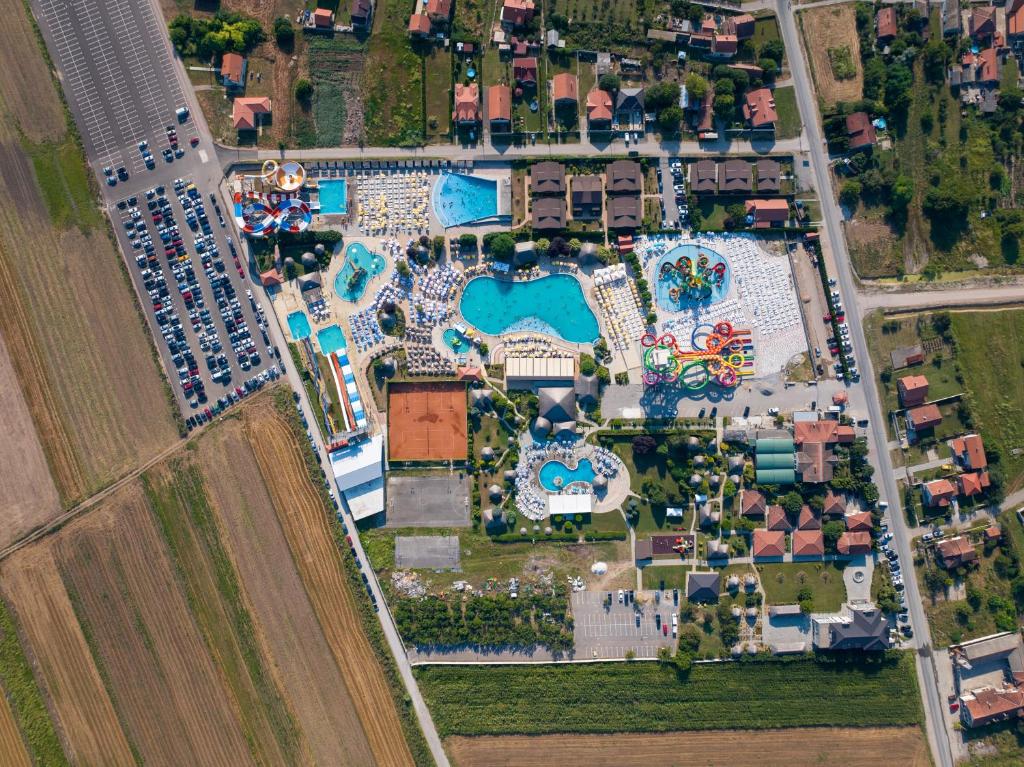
[1015, 18]
[860, 130]
[970, 450]
[973, 482]
[827, 431]
[419, 24]
[525, 70]
[809, 519]
[322, 17]
[925, 416]
[808, 543]
[885, 20]
[565, 87]
[777, 519]
[988, 66]
[599, 105]
[854, 543]
[753, 503]
[775, 210]
[759, 108]
[467, 107]
[956, 551]
[499, 103]
[231, 67]
[859, 522]
[245, 109]
[940, 491]
[991, 704]
[442, 8]
[769, 543]
[834, 504]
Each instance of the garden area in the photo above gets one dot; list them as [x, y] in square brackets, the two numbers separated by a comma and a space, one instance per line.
[818, 585]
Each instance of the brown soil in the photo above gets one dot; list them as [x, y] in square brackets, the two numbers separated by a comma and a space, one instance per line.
[832, 27]
[64, 664]
[303, 665]
[167, 690]
[726, 748]
[36, 110]
[873, 246]
[304, 518]
[12, 747]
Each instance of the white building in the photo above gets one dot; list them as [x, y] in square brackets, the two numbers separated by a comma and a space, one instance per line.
[359, 471]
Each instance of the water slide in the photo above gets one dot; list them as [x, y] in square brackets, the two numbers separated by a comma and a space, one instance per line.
[258, 218]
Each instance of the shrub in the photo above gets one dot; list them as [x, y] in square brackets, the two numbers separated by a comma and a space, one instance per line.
[284, 33]
[303, 90]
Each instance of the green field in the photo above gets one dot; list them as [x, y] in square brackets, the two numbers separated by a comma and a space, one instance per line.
[334, 65]
[650, 697]
[990, 356]
[782, 583]
[392, 80]
[438, 93]
[64, 181]
[789, 115]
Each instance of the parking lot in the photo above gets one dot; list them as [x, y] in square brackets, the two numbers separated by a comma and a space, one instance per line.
[117, 70]
[610, 631]
[209, 328]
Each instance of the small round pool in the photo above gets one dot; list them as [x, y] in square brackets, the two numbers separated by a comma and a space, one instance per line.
[555, 475]
[455, 341]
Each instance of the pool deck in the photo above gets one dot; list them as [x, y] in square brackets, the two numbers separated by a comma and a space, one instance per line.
[611, 499]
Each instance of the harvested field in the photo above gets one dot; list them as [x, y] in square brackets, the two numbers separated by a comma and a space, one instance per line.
[128, 598]
[833, 28]
[851, 747]
[92, 733]
[289, 632]
[12, 747]
[304, 518]
[427, 421]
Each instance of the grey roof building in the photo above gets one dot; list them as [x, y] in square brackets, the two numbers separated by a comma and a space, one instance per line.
[557, 409]
[548, 213]
[702, 587]
[703, 175]
[768, 173]
[625, 212]
[735, 176]
[586, 197]
[547, 178]
[624, 177]
[856, 629]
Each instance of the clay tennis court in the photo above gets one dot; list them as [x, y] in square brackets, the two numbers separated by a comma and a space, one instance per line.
[427, 421]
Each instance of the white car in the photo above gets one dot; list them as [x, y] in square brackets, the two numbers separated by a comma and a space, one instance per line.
[773, 411]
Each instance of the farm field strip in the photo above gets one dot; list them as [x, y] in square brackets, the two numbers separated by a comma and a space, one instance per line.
[851, 747]
[12, 747]
[832, 28]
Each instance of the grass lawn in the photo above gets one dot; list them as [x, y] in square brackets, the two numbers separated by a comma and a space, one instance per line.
[652, 697]
[766, 28]
[783, 582]
[588, 81]
[712, 213]
[438, 87]
[65, 183]
[992, 372]
[392, 80]
[789, 115]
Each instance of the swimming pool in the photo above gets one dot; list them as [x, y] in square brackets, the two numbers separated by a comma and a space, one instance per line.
[460, 199]
[555, 475]
[333, 196]
[298, 324]
[360, 267]
[331, 339]
[455, 341]
[554, 305]
[675, 288]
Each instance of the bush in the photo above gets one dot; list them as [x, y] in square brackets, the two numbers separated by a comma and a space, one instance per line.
[503, 247]
[303, 90]
[609, 82]
[207, 38]
[284, 33]
[588, 366]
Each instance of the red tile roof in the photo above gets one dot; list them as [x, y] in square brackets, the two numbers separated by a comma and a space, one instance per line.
[860, 130]
[765, 212]
[759, 108]
[565, 87]
[993, 532]
[913, 390]
[827, 431]
[973, 482]
[322, 17]
[753, 504]
[599, 105]
[419, 24]
[744, 25]
[231, 67]
[271, 277]
[954, 552]
[982, 21]
[925, 416]
[939, 492]
[525, 70]
[467, 106]
[499, 103]
[440, 8]
[834, 506]
[809, 519]
[769, 543]
[808, 543]
[724, 44]
[245, 109]
[988, 66]
[1015, 18]
[990, 705]
[517, 12]
[854, 543]
[777, 519]
[885, 20]
[859, 522]
[970, 451]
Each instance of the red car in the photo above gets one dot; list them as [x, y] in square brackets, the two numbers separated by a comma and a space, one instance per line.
[664, 629]
[826, 317]
[194, 141]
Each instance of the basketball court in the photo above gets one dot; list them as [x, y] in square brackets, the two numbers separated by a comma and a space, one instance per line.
[427, 421]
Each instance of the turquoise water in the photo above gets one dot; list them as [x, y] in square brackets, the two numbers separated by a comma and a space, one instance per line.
[712, 292]
[459, 199]
[298, 324]
[333, 196]
[331, 339]
[357, 257]
[584, 472]
[454, 340]
[554, 305]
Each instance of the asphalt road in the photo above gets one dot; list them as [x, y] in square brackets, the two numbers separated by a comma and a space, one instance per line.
[935, 714]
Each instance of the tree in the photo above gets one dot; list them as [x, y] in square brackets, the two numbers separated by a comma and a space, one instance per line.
[670, 118]
[874, 78]
[774, 50]
[898, 83]
[696, 86]
[574, 246]
[284, 33]
[849, 194]
[725, 106]
[791, 503]
[588, 365]
[661, 95]
[901, 194]
[832, 531]
[643, 444]
[950, 200]
[725, 86]
[543, 245]
[609, 82]
[503, 247]
[303, 90]
[936, 58]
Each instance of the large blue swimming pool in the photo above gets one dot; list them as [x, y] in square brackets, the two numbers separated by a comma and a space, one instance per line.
[331, 339]
[333, 196]
[554, 305]
[556, 470]
[298, 324]
[677, 287]
[360, 267]
[459, 199]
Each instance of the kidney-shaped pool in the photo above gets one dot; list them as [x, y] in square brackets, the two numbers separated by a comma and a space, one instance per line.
[554, 305]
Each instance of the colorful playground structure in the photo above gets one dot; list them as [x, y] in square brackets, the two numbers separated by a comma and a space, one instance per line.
[265, 202]
[721, 355]
[693, 279]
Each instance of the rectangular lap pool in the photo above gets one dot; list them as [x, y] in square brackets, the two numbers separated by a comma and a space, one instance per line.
[298, 324]
[333, 196]
[331, 339]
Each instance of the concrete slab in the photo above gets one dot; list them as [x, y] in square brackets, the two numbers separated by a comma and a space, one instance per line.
[433, 552]
[436, 500]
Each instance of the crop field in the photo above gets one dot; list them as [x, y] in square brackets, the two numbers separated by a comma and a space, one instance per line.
[851, 747]
[336, 68]
[649, 697]
[392, 80]
[67, 314]
[833, 28]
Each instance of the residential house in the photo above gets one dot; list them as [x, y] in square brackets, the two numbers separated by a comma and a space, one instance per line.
[742, 26]
[419, 25]
[769, 173]
[886, 27]
[248, 112]
[361, 12]
[499, 108]
[706, 114]
[808, 543]
[524, 71]
[439, 12]
[853, 544]
[993, 533]
[913, 390]
[625, 212]
[923, 417]
[724, 46]
[973, 483]
[981, 24]
[703, 175]
[565, 91]
[834, 507]
[767, 213]
[599, 109]
[232, 70]
[938, 493]
[548, 213]
[860, 131]
[759, 109]
[955, 552]
[517, 13]
[969, 452]
[989, 705]
[753, 504]
[860, 628]
[703, 588]
[777, 519]
[323, 18]
[809, 519]
[624, 177]
[629, 108]
[768, 544]
[467, 105]
[1015, 21]
[547, 178]
[859, 522]
[951, 18]
[735, 176]
[586, 197]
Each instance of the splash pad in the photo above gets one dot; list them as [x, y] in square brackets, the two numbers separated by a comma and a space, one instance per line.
[693, 279]
[720, 355]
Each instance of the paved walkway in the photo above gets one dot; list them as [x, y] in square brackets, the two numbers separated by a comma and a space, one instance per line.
[902, 472]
